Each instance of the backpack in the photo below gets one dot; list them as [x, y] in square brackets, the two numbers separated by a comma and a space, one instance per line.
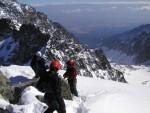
[38, 65]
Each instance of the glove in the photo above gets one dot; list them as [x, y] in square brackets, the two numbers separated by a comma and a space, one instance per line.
[66, 79]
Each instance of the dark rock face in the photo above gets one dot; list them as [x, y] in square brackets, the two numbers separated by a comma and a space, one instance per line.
[4, 111]
[135, 43]
[25, 31]
[3, 80]
[13, 93]
[6, 91]
[28, 43]
[23, 42]
[66, 90]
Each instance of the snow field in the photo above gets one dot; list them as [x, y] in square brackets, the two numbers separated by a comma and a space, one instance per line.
[95, 95]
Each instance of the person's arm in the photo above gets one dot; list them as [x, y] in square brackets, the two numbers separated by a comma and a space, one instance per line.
[33, 65]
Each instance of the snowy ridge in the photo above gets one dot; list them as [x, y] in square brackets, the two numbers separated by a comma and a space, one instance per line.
[26, 14]
[134, 32]
[133, 44]
[95, 95]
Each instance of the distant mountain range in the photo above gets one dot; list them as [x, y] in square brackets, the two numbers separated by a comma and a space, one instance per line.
[24, 31]
[131, 47]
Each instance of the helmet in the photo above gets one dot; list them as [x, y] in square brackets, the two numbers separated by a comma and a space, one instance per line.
[39, 54]
[71, 62]
[55, 64]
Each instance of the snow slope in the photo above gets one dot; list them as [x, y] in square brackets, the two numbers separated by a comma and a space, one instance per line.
[134, 74]
[95, 95]
[118, 56]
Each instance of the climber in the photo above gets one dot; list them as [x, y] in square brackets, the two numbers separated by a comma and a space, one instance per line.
[52, 86]
[71, 74]
[38, 65]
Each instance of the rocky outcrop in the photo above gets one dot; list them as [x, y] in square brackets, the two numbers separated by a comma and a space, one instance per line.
[66, 90]
[13, 93]
[23, 42]
[3, 80]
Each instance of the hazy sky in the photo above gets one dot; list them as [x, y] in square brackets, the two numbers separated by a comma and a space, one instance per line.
[69, 1]
[92, 21]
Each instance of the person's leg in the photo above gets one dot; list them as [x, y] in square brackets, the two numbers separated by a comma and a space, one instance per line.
[39, 85]
[74, 89]
[71, 85]
[47, 100]
[62, 107]
[49, 111]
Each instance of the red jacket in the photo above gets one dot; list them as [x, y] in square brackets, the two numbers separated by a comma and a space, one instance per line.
[70, 73]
